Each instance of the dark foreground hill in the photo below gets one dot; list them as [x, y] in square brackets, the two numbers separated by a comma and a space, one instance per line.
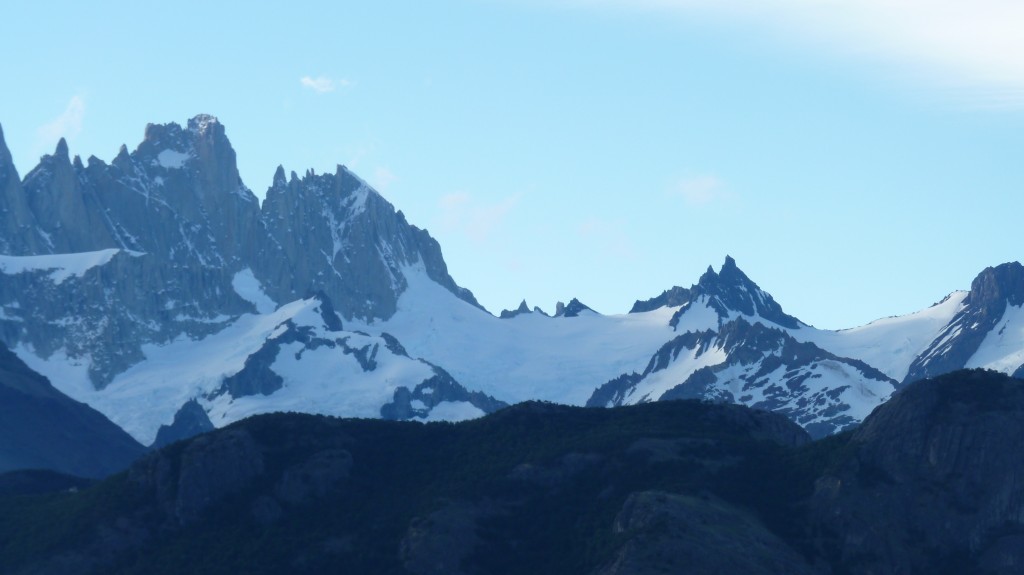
[930, 483]
[41, 428]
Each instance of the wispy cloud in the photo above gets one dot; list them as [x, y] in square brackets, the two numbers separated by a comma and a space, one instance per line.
[975, 48]
[323, 84]
[463, 213]
[383, 178]
[67, 125]
[700, 190]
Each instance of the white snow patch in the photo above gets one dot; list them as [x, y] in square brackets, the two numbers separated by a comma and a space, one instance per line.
[149, 393]
[249, 288]
[172, 159]
[327, 381]
[1003, 347]
[698, 317]
[861, 394]
[890, 344]
[526, 357]
[70, 375]
[652, 387]
[453, 411]
[324, 380]
[221, 318]
[63, 266]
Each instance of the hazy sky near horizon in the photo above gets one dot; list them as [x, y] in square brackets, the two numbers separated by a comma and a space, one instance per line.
[858, 158]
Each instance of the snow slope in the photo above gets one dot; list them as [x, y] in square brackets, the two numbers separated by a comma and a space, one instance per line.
[321, 379]
[1003, 347]
[530, 356]
[688, 361]
[61, 266]
[889, 344]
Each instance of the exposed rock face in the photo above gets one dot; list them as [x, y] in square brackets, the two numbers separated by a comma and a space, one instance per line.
[41, 428]
[669, 533]
[340, 236]
[573, 309]
[511, 313]
[674, 297]
[932, 469]
[191, 420]
[179, 207]
[728, 291]
[430, 393]
[210, 468]
[991, 292]
[16, 218]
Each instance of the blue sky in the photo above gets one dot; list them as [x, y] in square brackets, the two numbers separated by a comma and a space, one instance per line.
[858, 159]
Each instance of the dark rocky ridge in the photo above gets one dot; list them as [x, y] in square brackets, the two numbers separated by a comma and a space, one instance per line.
[340, 236]
[190, 421]
[729, 290]
[511, 313]
[15, 215]
[41, 428]
[928, 484]
[572, 309]
[932, 483]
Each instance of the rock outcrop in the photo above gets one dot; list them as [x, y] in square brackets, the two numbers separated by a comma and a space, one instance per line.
[931, 483]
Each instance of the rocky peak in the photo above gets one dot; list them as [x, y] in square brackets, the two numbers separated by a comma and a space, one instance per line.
[280, 180]
[16, 220]
[340, 236]
[731, 290]
[123, 159]
[64, 210]
[991, 291]
[932, 461]
[507, 314]
[674, 297]
[727, 291]
[5, 152]
[61, 153]
[573, 309]
[997, 286]
[206, 125]
[203, 148]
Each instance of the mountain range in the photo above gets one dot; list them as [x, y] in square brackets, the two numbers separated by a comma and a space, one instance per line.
[158, 290]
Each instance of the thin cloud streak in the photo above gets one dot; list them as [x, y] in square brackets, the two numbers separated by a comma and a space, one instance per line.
[67, 125]
[323, 84]
[973, 49]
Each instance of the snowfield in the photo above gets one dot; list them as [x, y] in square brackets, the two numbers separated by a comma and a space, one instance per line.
[61, 266]
[529, 356]
[890, 344]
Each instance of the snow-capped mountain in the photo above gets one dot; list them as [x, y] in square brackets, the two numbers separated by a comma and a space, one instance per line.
[737, 345]
[734, 344]
[142, 285]
[158, 290]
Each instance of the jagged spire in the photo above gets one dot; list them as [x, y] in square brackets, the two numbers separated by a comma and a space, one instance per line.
[62, 150]
[279, 177]
[5, 154]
